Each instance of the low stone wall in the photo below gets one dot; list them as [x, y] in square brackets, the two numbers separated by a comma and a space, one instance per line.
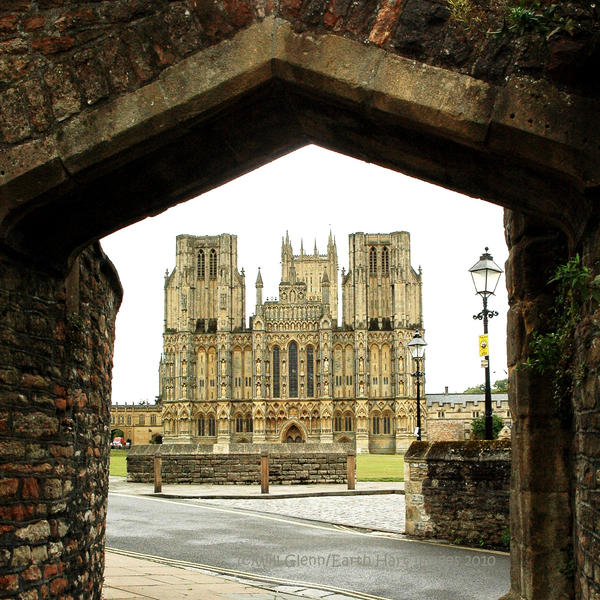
[197, 463]
[459, 491]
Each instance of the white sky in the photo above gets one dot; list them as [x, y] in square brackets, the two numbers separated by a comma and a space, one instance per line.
[307, 193]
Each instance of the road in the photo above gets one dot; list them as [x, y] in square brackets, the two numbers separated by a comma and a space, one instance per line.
[301, 551]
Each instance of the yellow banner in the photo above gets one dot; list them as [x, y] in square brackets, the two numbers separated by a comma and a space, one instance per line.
[484, 349]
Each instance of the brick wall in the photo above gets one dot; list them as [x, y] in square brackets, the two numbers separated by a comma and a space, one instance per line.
[288, 464]
[55, 367]
[458, 491]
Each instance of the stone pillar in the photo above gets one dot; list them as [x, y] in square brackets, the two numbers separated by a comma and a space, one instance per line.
[56, 343]
[541, 517]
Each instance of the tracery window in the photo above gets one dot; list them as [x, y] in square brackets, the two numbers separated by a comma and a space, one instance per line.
[337, 423]
[293, 369]
[276, 392]
[211, 426]
[212, 264]
[348, 425]
[375, 421]
[372, 261]
[239, 424]
[201, 264]
[385, 261]
[310, 372]
[387, 424]
[249, 425]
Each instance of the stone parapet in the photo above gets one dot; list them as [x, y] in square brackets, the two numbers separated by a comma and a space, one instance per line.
[197, 463]
[459, 491]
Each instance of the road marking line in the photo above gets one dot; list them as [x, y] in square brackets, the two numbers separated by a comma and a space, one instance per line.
[252, 576]
[335, 528]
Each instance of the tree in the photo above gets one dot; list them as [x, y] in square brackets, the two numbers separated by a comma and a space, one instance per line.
[478, 389]
[478, 427]
[500, 386]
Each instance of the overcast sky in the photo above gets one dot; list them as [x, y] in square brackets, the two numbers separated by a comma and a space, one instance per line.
[307, 193]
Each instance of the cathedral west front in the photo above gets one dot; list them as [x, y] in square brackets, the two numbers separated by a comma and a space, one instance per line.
[296, 373]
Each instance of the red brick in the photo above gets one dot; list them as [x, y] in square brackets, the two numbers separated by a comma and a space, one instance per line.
[50, 571]
[9, 583]
[31, 488]
[33, 573]
[8, 23]
[58, 585]
[34, 23]
[13, 46]
[8, 487]
[53, 44]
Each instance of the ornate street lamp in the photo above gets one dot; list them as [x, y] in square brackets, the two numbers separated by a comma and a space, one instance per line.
[486, 274]
[417, 351]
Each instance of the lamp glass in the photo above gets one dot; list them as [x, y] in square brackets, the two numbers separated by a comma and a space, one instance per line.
[486, 275]
[417, 346]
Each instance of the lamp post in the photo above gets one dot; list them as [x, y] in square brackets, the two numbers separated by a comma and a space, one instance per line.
[417, 351]
[486, 274]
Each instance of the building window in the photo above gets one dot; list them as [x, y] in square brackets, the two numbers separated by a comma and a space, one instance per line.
[441, 414]
[475, 414]
[112, 419]
[310, 373]
[249, 425]
[211, 426]
[152, 419]
[276, 392]
[201, 427]
[201, 264]
[121, 420]
[385, 261]
[128, 419]
[142, 420]
[239, 424]
[375, 422]
[212, 264]
[387, 425]
[372, 261]
[348, 425]
[337, 423]
[293, 369]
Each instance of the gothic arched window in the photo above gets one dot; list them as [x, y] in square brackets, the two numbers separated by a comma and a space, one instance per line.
[310, 372]
[276, 392]
[372, 261]
[293, 369]
[212, 264]
[201, 264]
[385, 261]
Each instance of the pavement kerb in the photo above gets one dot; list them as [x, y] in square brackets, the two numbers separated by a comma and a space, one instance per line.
[275, 496]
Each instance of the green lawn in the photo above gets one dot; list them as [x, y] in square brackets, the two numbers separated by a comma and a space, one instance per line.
[379, 467]
[118, 463]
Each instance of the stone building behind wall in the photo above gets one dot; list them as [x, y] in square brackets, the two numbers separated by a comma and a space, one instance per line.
[449, 416]
[295, 374]
[138, 422]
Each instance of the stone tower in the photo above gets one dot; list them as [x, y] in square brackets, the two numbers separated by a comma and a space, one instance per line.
[381, 290]
[205, 292]
[310, 268]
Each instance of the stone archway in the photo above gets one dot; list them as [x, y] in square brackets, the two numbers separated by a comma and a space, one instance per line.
[173, 102]
[293, 432]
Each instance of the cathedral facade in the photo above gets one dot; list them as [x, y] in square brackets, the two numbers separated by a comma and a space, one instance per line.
[295, 374]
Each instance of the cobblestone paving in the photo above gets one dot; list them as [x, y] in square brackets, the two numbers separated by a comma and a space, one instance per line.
[381, 511]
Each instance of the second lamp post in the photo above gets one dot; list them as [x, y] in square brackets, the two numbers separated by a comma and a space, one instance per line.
[417, 351]
[486, 274]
